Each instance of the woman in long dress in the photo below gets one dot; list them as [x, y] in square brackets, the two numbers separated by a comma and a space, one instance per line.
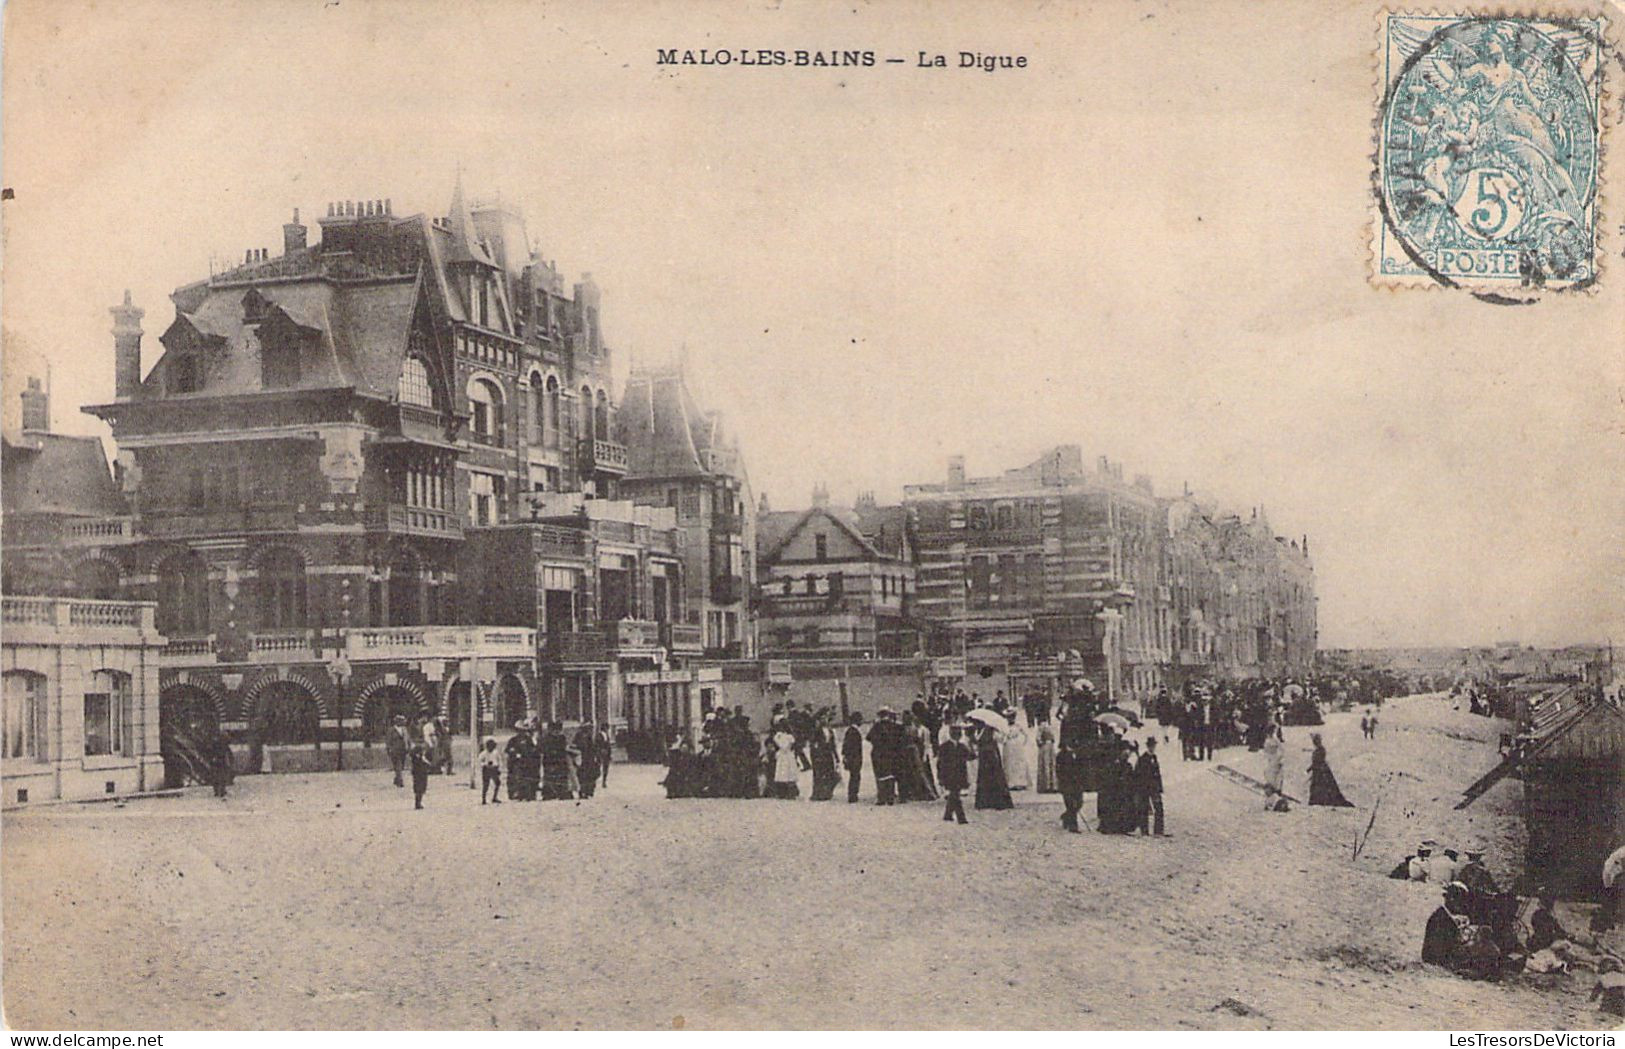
[992, 791]
[784, 764]
[823, 764]
[912, 784]
[1013, 749]
[1323, 788]
[1046, 759]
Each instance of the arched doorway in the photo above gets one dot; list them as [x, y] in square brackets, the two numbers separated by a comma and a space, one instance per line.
[188, 728]
[287, 720]
[508, 703]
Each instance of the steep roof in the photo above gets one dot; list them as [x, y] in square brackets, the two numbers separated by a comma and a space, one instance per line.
[359, 334]
[53, 473]
[658, 428]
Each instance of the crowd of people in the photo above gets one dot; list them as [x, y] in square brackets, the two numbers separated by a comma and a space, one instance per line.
[945, 746]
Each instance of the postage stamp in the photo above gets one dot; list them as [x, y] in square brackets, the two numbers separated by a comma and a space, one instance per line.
[1489, 143]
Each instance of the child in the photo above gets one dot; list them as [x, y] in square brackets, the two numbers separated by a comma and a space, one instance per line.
[491, 772]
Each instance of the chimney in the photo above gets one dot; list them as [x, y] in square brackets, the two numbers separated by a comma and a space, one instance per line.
[1104, 466]
[956, 471]
[762, 507]
[36, 408]
[820, 496]
[866, 501]
[126, 348]
[293, 235]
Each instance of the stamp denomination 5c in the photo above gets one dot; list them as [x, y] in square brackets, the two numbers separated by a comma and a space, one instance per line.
[1488, 153]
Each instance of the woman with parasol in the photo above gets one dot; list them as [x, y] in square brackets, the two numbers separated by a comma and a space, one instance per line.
[992, 790]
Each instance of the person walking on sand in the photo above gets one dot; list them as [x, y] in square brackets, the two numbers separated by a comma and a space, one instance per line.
[953, 774]
[586, 743]
[852, 755]
[992, 791]
[1046, 758]
[396, 745]
[1323, 788]
[491, 772]
[1274, 772]
[422, 765]
[1148, 776]
[606, 751]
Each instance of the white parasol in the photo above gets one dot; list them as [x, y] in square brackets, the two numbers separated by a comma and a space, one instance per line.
[990, 718]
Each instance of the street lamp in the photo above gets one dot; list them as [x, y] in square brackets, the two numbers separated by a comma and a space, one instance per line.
[339, 670]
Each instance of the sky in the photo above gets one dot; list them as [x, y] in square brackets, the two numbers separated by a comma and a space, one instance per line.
[1152, 242]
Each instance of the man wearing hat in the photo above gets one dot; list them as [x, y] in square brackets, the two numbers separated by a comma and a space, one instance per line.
[1414, 867]
[396, 744]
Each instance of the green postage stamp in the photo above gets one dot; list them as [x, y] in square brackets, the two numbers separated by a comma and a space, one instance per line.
[1489, 152]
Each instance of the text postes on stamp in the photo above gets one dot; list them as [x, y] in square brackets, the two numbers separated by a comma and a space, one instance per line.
[1489, 141]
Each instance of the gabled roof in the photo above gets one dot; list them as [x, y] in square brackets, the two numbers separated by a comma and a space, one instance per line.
[54, 473]
[845, 521]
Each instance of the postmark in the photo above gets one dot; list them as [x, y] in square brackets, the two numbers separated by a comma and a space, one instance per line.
[1489, 150]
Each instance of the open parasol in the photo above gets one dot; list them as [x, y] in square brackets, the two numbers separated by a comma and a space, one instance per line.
[990, 718]
[1114, 719]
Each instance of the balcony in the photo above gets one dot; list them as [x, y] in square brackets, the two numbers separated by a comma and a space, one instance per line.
[631, 637]
[726, 589]
[602, 456]
[683, 639]
[188, 651]
[34, 618]
[170, 523]
[414, 520]
[576, 646]
[103, 531]
[276, 645]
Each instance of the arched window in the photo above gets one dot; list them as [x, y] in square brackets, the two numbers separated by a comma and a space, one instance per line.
[485, 401]
[1005, 517]
[550, 419]
[601, 417]
[109, 727]
[405, 590]
[415, 388]
[288, 714]
[97, 579]
[183, 595]
[584, 413]
[282, 590]
[25, 730]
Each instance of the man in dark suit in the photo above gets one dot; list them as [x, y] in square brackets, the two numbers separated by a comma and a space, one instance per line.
[953, 774]
[852, 755]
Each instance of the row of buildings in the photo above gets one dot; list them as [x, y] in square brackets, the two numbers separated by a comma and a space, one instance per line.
[387, 473]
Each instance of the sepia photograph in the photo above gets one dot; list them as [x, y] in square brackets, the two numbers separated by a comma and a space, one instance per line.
[499, 495]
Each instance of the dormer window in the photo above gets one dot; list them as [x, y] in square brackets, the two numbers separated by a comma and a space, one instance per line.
[255, 307]
[185, 376]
